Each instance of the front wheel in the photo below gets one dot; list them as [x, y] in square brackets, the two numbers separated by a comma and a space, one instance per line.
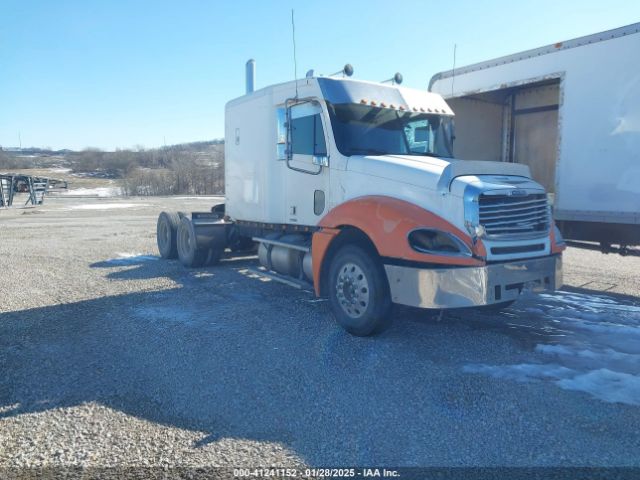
[359, 292]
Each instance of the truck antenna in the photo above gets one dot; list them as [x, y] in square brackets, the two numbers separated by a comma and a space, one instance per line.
[453, 70]
[295, 64]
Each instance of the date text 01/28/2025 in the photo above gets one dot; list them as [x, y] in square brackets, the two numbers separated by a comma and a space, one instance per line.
[315, 472]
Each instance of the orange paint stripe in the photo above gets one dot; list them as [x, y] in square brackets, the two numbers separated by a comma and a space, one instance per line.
[387, 221]
[555, 248]
[319, 246]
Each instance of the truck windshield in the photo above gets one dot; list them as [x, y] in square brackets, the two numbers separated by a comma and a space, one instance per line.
[367, 130]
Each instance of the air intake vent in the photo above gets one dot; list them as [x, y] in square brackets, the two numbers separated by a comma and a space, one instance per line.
[508, 216]
[536, 247]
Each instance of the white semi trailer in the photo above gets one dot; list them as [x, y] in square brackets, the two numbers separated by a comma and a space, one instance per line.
[571, 112]
[351, 187]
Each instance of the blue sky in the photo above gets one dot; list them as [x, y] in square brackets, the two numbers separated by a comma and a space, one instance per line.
[109, 74]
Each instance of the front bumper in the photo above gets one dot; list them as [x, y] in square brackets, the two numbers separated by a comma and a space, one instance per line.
[472, 286]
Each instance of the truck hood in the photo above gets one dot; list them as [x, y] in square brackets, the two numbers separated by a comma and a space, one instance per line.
[433, 173]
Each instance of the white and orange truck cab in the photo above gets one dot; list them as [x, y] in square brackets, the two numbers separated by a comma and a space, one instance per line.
[352, 187]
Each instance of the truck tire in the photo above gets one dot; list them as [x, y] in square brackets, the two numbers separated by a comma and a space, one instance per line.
[166, 234]
[188, 252]
[359, 292]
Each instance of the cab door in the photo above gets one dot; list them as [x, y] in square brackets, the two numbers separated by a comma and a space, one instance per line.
[307, 159]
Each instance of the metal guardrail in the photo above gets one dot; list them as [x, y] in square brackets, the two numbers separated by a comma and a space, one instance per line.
[35, 187]
[6, 190]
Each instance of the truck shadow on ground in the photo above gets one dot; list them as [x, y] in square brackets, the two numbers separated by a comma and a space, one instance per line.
[235, 357]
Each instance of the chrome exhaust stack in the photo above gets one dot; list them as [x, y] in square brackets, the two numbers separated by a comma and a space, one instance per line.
[250, 72]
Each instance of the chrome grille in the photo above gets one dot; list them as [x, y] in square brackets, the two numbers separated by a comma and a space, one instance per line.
[514, 216]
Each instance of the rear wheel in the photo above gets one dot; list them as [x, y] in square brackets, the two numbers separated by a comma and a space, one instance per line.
[359, 292]
[166, 234]
[188, 252]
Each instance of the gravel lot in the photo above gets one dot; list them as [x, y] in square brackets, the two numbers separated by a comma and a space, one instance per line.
[110, 356]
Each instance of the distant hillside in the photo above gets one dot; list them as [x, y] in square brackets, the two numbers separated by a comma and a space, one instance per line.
[194, 168]
[33, 151]
[198, 146]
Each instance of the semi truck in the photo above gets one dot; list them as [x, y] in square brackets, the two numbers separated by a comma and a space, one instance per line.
[571, 112]
[351, 187]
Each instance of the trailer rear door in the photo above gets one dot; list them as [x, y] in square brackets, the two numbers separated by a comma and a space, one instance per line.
[516, 124]
[534, 131]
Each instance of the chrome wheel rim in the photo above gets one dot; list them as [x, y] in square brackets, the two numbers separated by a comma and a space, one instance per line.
[352, 290]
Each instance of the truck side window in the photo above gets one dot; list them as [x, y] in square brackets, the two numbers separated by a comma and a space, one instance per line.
[307, 136]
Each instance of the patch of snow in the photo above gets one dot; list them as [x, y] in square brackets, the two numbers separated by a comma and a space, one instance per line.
[198, 317]
[587, 343]
[8, 408]
[534, 310]
[606, 385]
[60, 170]
[524, 372]
[609, 327]
[195, 197]
[603, 355]
[107, 206]
[593, 303]
[130, 259]
[94, 192]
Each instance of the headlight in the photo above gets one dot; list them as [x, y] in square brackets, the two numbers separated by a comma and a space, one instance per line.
[437, 242]
[558, 235]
